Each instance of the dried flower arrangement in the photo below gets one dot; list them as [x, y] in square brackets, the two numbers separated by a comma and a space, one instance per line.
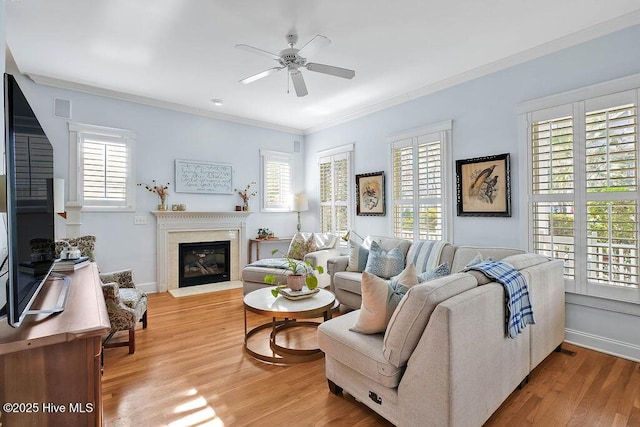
[246, 194]
[160, 190]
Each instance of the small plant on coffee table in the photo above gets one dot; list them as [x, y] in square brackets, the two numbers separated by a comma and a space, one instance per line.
[297, 269]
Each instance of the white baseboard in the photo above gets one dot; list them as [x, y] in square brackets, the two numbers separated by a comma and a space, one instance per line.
[150, 288]
[603, 344]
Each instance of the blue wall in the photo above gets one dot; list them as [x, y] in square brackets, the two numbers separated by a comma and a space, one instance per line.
[485, 122]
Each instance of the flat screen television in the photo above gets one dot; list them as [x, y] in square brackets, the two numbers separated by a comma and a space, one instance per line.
[30, 213]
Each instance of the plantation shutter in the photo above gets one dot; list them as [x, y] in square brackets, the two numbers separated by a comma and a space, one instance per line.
[403, 196]
[335, 193]
[612, 195]
[584, 192]
[104, 176]
[430, 188]
[104, 165]
[277, 181]
[553, 189]
[418, 186]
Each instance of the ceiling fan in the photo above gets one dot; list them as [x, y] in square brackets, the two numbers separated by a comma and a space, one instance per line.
[292, 59]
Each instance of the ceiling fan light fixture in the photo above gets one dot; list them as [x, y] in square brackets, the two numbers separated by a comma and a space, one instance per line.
[291, 58]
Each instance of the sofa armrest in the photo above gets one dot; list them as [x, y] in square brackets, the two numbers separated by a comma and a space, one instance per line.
[336, 264]
[320, 259]
[546, 292]
[464, 365]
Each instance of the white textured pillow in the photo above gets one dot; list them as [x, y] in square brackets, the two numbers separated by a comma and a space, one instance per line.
[380, 298]
[382, 263]
[358, 254]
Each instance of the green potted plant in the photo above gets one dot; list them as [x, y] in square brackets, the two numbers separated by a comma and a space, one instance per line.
[299, 274]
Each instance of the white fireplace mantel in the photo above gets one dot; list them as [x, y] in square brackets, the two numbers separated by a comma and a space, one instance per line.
[174, 227]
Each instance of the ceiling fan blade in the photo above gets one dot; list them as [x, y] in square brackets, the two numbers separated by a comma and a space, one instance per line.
[257, 51]
[260, 75]
[314, 45]
[331, 70]
[298, 83]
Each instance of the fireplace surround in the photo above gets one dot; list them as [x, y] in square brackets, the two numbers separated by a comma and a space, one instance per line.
[175, 227]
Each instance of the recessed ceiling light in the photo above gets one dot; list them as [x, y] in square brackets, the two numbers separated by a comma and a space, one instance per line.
[217, 102]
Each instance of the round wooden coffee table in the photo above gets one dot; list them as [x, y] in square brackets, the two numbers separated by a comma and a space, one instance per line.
[284, 314]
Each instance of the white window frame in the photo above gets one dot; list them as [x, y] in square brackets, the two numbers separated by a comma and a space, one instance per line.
[267, 156]
[331, 155]
[77, 133]
[438, 131]
[577, 103]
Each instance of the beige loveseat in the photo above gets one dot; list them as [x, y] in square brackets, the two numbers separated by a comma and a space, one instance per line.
[324, 247]
[445, 359]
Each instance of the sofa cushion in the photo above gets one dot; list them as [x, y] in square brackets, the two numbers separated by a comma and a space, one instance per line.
[433, 273]
[358, 254]
[425, 254]
[324, 241]
[361, 352]
[380, 298]
[382, 263]
[464, 254]
[348, 281]
[412, 314]
[301, 244]
[522, 261]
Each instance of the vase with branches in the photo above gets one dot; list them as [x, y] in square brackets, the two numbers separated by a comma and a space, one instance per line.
[246, 194]
[160, 190]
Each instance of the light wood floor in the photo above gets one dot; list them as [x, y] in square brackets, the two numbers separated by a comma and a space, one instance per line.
[190, 369]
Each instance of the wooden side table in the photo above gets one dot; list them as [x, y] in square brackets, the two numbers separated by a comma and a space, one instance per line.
[258, 242]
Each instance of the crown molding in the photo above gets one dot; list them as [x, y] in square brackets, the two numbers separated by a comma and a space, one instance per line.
[556, 45]
[93, 90]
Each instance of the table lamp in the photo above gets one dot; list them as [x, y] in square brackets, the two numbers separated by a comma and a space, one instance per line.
[300, 204]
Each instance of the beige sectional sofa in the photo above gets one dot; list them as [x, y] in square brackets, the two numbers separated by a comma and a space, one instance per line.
[325, 247]
[445, 359]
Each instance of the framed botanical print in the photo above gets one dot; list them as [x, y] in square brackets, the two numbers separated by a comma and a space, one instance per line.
[483, 186]
[370, 194]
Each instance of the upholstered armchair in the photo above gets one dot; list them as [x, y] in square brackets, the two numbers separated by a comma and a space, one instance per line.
[126, 305]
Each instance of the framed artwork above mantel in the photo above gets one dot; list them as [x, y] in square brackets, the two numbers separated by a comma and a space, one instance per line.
[483, 186]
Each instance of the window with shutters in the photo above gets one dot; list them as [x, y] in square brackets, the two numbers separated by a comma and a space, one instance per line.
[277, 181]
[584, 192]
[420, 187]
[335, 179]
[105, 167]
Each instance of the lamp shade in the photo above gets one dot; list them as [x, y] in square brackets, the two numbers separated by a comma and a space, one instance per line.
[300, 202]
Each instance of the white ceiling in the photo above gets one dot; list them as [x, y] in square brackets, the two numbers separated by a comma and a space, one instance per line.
[180, 53]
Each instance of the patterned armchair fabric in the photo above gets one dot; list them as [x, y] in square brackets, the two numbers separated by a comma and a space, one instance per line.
[86, 244]
[126, 306]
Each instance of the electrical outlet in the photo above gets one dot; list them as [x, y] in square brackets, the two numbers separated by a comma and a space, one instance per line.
[140, 220]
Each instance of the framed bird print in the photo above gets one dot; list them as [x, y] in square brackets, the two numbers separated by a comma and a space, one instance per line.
[483, 186]
[370, 194]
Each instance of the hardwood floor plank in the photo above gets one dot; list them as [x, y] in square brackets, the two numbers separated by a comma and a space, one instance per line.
[190, 369]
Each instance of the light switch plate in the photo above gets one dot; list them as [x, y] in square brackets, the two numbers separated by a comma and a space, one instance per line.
[140, 220]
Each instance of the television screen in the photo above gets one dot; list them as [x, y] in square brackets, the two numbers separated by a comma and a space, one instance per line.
[30, 216]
